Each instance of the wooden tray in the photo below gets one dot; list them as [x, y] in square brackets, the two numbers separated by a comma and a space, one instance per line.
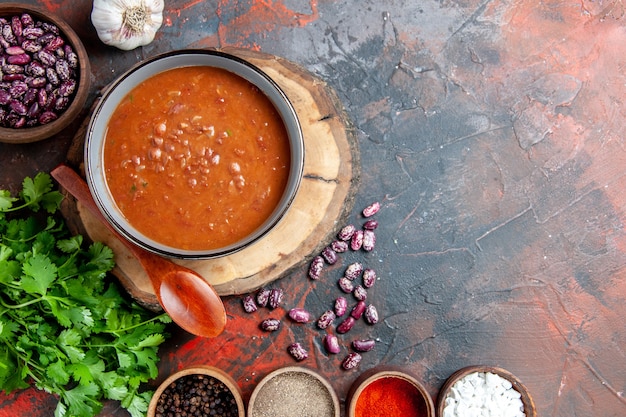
[321, 206]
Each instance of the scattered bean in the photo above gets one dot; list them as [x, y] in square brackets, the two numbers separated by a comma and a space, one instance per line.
[299, 315]
[346, 285]
[329, 255]
[357, 240]
[331, 344]
[371, 314]
[339, 246]
[346, 232]
[351, 361]
[353, 271]
[358, 310]
[298, 352]
[263, 297]
[360, 293]
[369, 277]
[370, 225]
[341, 306]
[372, 209]
[326, 319]
[270, 325]
[346, 325]
[276, 297]
[369, 240]
[364, 345]
[316, 267]
[249, 304]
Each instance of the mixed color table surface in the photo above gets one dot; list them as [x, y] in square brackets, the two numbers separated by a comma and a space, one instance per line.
[493, 135]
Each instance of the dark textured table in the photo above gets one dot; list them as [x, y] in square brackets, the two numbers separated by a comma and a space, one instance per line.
[492, 133]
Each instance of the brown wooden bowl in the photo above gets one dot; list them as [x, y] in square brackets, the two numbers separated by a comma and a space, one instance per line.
[416, 392]
[205, 370]
[37, 133]
[527, 401]
[294, 391]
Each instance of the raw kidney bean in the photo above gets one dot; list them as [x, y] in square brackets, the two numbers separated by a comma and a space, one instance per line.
[351, 361]
[341, 306]
[360, 293]
[357, 240]
[331, 344]
[358, 310]
[270, 325]
[326, 319]
[346, 285]
[329, 255]
[47, 117]
[369, 278]
[339, 246]
[372, 209]
[363, 345]
[249, 304]
[353, 271]
[371, 314]
[346, 232]
[316, 267]
[369, 240]
[346, 325]
[299, 315]
[276, 297]
[35, 52]
[370, 225]
[263, 297]
[298, 352]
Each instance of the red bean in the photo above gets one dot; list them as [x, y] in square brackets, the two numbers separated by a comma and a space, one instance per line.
[369, 240]
[357, 240]
[351, 361]
[346, 325]
[364, 345]
[346, 285]
[358, 310]
[299, 315]
[371, 209]
[331, 344]
[353, 271]
[316, 267]
[369, 278]
[297, 351]
[249, 304]
[326, 319]
[276, 297]
[270, 325]
[341, 306]
[371, 314]
[346, 232]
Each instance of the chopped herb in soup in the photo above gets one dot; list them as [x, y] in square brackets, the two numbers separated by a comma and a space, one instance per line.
[196, 158]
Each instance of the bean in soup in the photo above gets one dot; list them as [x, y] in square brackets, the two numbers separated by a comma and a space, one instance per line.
[196, 158]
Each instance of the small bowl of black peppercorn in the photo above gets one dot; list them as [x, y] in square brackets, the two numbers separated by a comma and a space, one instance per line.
[197, 391]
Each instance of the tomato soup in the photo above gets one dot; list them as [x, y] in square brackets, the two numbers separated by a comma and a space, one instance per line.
[196, 158]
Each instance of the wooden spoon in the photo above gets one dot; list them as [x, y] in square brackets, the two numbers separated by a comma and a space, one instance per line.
[191, 301]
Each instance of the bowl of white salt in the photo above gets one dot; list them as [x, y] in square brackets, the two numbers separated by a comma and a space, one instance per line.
[482, 390]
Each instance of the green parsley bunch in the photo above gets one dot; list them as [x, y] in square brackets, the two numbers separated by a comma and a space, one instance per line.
[64, 326]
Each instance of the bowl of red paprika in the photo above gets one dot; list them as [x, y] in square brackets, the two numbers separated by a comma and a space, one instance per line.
[388, 392]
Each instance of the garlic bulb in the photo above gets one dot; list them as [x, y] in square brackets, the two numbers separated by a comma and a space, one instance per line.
[127, 24]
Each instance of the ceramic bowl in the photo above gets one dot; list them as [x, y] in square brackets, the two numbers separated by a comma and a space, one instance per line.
[527, 401]
[294, 391]
[95, 141]
[44, 131]
[417, 397]
[162, 393]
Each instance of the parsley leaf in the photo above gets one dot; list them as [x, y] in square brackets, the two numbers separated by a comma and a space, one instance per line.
[64, 325]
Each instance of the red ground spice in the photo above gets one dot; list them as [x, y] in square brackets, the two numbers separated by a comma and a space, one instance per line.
[390, 397]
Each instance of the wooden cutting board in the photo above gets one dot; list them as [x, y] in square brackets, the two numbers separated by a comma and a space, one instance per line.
[321, 206]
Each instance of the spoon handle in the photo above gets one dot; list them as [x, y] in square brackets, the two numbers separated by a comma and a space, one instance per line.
[76, 186]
